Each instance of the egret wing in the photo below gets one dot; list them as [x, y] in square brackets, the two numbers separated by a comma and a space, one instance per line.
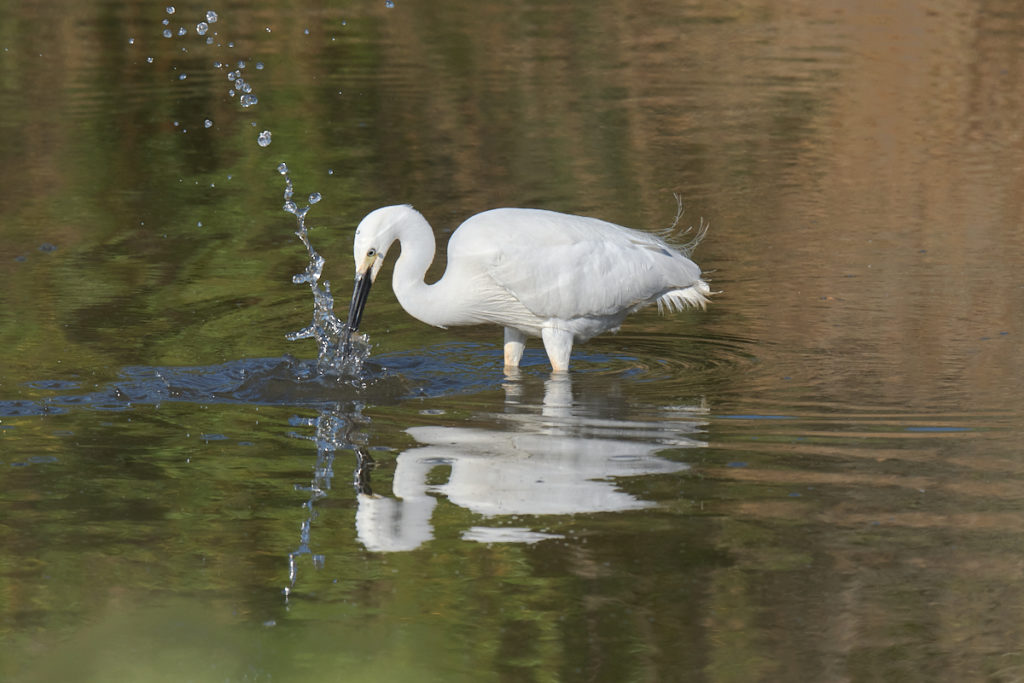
[565, 267]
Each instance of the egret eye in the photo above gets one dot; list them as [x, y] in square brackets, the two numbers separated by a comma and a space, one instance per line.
[371, 253]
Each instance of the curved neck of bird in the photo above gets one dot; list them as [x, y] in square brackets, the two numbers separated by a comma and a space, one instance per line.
[418, 248]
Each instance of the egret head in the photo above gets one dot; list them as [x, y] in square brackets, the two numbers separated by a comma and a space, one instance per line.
[374, 236]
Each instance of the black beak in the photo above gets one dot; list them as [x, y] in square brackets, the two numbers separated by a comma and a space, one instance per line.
[360, 292]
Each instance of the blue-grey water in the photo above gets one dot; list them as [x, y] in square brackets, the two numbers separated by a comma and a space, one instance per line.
[820, 478]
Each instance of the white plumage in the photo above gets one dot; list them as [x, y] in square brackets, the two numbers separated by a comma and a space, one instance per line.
[537, 273]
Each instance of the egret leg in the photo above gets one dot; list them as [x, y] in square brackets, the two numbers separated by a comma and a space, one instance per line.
[515, 342]
[558, 344]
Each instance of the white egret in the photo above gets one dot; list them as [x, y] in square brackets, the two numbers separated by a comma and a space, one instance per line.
[537, 273]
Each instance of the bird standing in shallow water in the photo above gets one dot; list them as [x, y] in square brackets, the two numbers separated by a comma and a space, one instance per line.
[537, 273]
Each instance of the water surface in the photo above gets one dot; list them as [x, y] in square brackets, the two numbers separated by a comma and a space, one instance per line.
[820, 478]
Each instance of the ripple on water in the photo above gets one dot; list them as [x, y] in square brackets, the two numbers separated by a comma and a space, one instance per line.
[656, 357]
[668, 360]
[256, 381]
[434, 371]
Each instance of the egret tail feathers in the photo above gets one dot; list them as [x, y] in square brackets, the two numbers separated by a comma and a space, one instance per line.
[696, 295]
[674, 233]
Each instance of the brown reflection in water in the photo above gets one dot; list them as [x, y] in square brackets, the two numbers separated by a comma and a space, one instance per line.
[861, 165]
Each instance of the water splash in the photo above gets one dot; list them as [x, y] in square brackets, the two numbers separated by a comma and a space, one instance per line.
[240, 87]
[340, 354]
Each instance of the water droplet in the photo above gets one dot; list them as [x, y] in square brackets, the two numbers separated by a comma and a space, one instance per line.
[211, 16]
[170, 9]
[199, 224]
[314, 198]
[207, 123]
[209, 40]
[268, 29]
[247, 100]
[165, 22]
[131, 41]
[167, 33]
[282, 168]
[202, 27]
[182, 30]
[217, 65]
[389, 3]
[182, 77]
[290, 207]
[264, 138]
[232, 75]
[149, 60]
[330, 171]
[306, 31]
[259, 66]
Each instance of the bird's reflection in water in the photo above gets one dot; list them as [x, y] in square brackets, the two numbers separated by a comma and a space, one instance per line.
[555, 456]
[556, 459]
